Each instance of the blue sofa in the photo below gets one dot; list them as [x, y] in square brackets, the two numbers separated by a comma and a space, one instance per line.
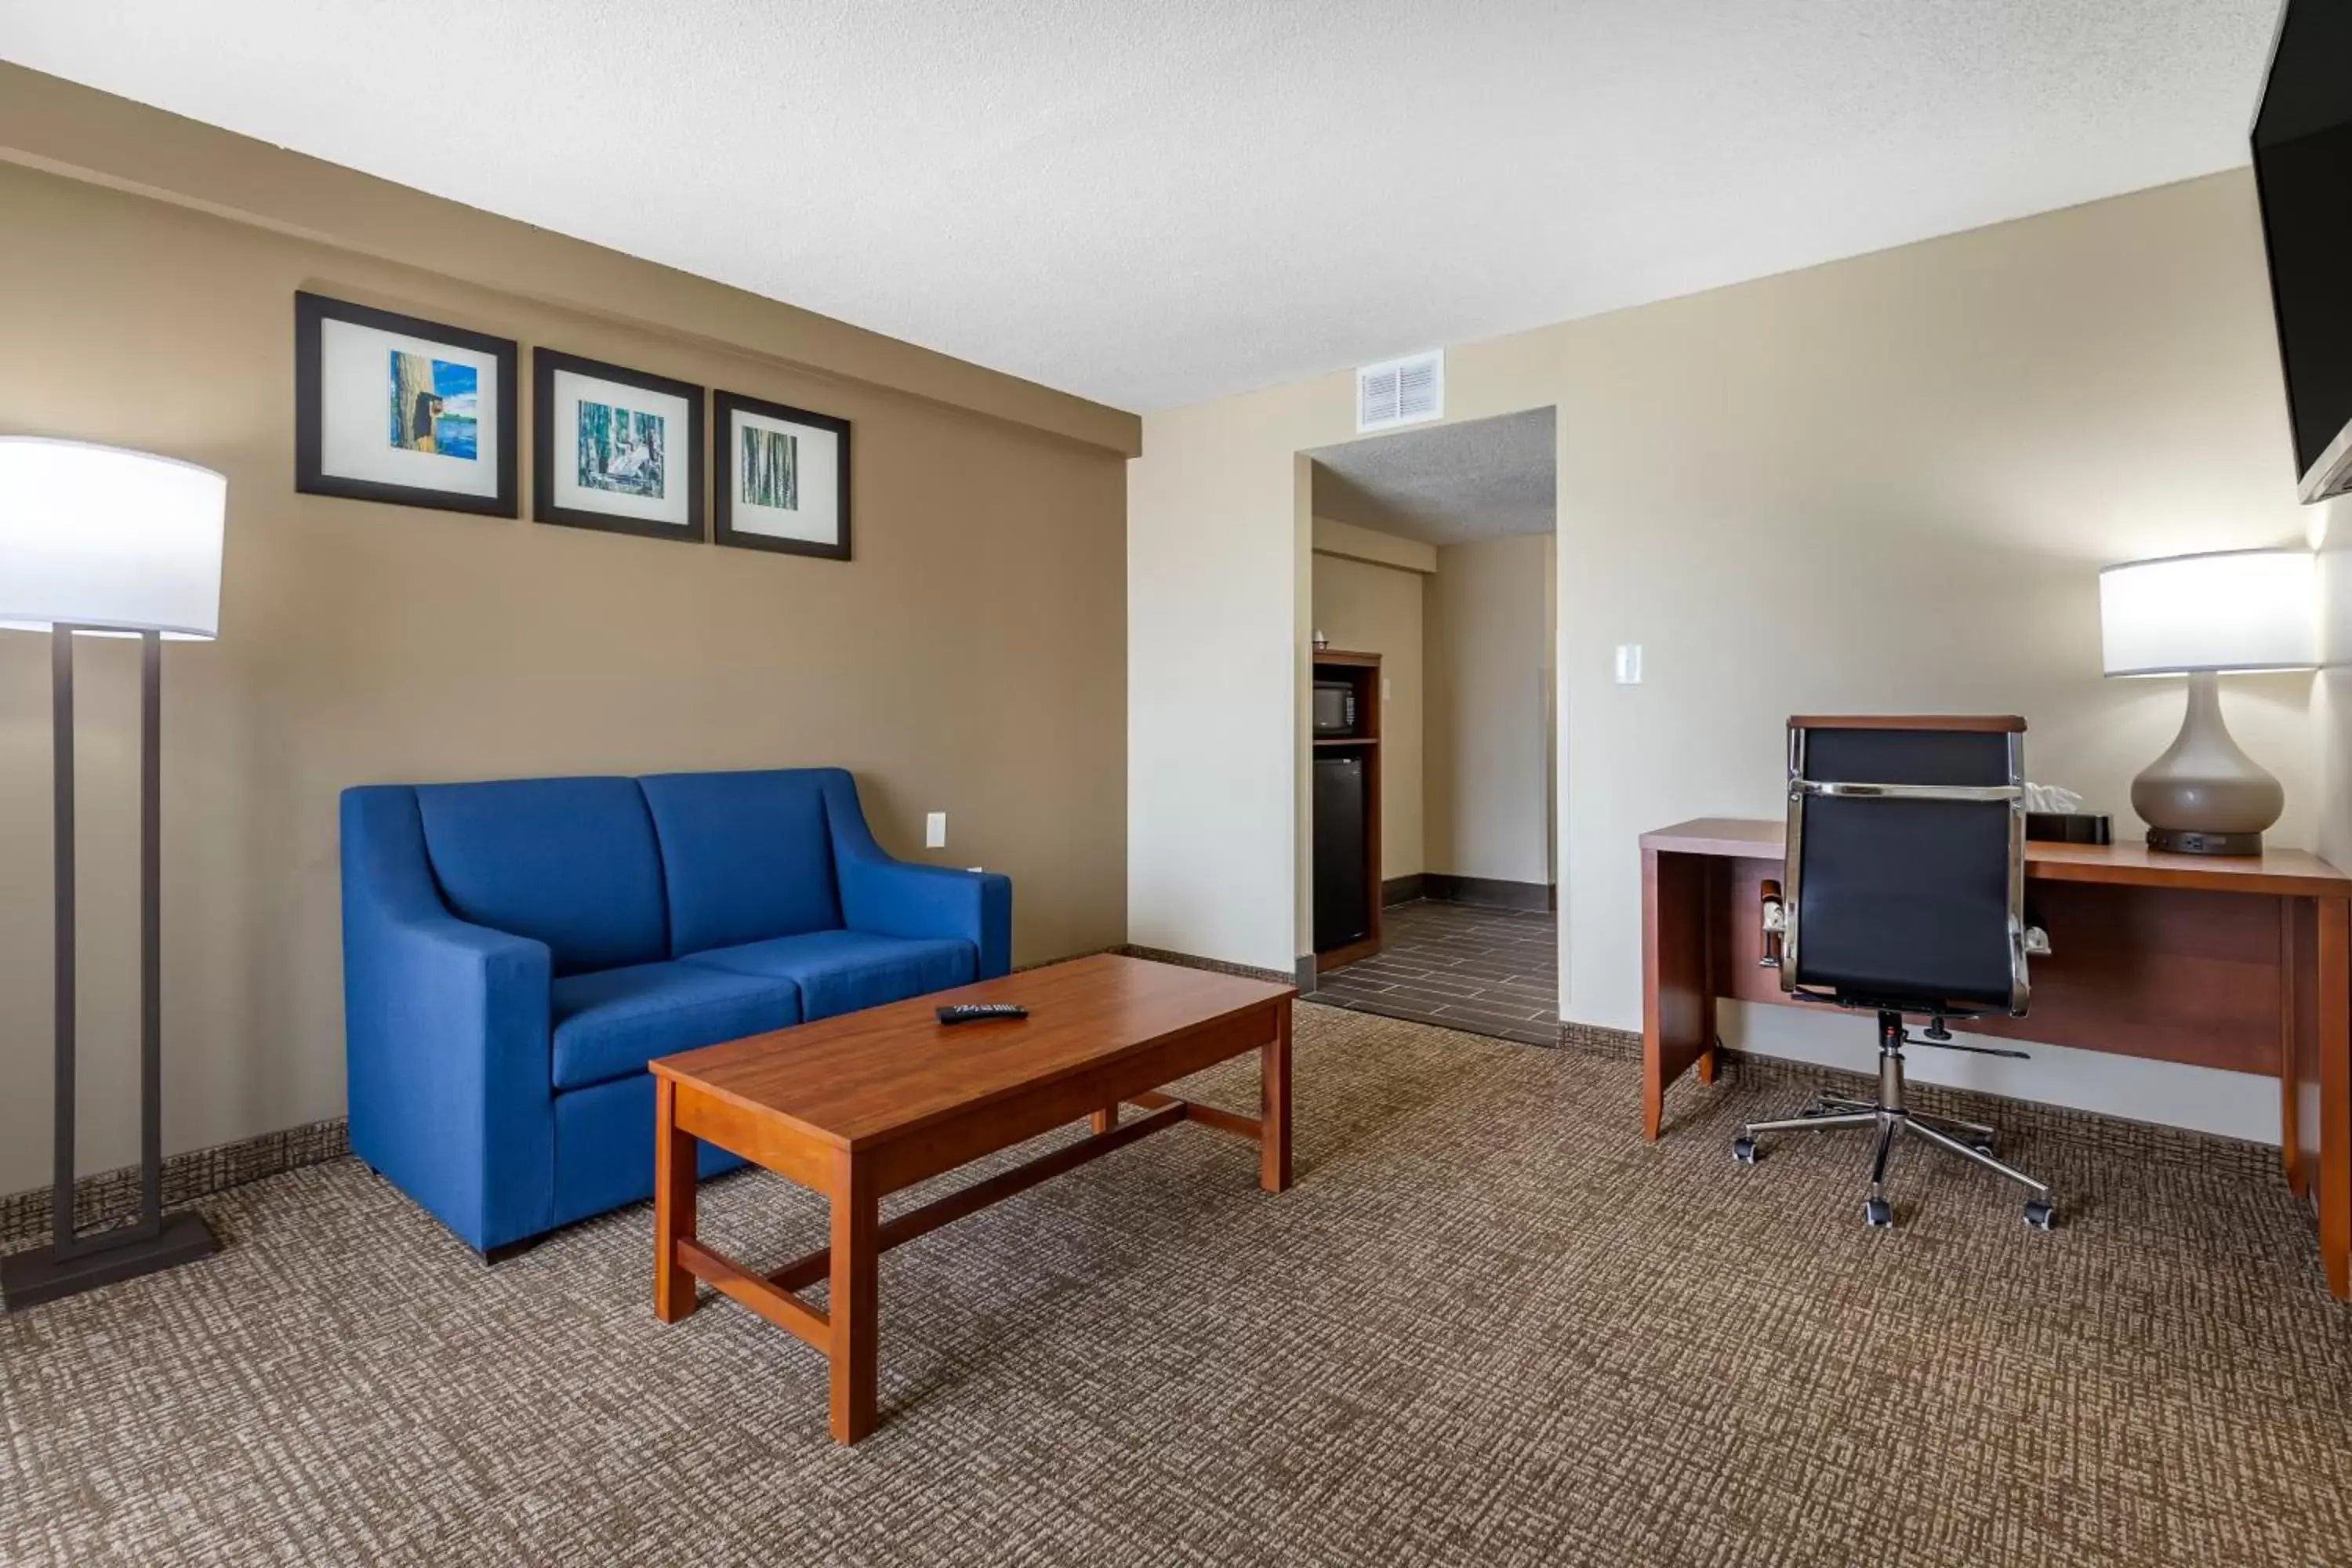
[515, 952]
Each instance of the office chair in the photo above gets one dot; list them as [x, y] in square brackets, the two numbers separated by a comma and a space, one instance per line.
[1905, 895]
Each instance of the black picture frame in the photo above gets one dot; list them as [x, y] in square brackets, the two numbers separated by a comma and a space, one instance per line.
[724, 407]
[311, 312]
[544, 363]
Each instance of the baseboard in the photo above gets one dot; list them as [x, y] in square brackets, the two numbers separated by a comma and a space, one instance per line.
[1403, 889]
[2116, 1137]
[1191, 961]
[1118, 947]
[111, 1196]
[2113, 1137]
[1592, 1040]
[1540, 898]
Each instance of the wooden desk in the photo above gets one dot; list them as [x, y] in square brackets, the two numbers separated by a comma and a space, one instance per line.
[2220, 961]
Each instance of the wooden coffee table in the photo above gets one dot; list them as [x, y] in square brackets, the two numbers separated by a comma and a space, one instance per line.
[862, 1105]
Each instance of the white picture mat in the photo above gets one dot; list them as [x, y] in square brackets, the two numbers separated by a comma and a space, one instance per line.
[570, 390]
[818, 469]
[355, 413]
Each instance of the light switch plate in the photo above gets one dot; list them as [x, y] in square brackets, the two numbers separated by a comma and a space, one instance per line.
[935, 830]
[1629, 664]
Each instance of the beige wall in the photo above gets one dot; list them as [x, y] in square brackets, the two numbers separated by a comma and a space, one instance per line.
[967, 661]
[1887, 483]
[1367, 608]
[1489, 753]
[1333, 537]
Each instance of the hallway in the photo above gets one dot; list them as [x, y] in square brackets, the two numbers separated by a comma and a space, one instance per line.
[1460, 966]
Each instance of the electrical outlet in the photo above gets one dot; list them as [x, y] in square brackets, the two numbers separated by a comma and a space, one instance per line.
[1629, 664]
[935, 830]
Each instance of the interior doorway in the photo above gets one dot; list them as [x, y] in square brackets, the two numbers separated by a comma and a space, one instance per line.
[1432, 746]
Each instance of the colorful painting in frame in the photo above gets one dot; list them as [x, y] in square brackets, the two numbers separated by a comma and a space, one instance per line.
[615, 449]
[398, 409]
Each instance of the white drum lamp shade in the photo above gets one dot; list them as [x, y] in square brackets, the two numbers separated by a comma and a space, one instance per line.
[2233, 613]
[104, 537]
[2237, 612]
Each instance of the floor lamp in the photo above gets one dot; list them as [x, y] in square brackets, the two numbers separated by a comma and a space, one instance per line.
[102, 542]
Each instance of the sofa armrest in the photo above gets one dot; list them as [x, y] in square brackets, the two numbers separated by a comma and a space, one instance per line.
[890, 897]
[446, 1032]
[898, 898]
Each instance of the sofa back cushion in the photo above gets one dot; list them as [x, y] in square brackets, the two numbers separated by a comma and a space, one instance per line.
[570, 862]
[747, 856]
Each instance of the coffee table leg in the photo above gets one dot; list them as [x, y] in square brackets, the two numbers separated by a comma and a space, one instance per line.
[851, 1308]
[674, 1161]
[1103, 1121]
[1273, 1105]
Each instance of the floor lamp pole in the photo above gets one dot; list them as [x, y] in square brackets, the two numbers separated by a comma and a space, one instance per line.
[61, 745]
[74, 1262]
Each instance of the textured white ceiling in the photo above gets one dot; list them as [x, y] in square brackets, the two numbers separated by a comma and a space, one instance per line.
[1449, 484]
[1151, 203]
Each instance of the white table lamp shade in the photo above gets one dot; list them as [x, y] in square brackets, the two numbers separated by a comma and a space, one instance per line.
[100, 536]
[2237, 610]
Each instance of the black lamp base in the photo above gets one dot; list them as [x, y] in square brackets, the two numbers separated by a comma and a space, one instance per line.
[29, 1278]
[2189, 841]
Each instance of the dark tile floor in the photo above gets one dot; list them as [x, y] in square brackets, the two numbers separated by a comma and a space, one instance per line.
[1490, 971]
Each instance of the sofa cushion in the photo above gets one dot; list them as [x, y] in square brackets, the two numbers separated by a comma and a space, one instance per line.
[569, 862]
[610, 1023]
[843, 971]
[746, 855]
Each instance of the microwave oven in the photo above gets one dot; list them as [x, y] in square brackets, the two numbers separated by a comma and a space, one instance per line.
[1334, 708]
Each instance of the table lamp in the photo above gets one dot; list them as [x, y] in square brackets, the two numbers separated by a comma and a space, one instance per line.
[2235, 612]
[101, 541]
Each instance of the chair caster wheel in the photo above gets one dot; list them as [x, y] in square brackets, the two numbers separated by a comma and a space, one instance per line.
[1984, 1147]
[2041, 1213]
[1744, 1151]
[1877, 1213]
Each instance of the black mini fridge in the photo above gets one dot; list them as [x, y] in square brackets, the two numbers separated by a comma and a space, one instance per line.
[1343, 899]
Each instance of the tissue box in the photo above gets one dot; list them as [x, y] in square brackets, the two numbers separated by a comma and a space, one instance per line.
[2069, 827]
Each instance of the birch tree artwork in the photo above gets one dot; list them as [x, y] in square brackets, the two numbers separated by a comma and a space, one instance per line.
[771, 469]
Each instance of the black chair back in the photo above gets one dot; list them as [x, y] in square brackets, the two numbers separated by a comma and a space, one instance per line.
[1907, 864]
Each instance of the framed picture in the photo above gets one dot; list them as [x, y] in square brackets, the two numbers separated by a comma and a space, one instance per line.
[615, 449]
[391, 408]
[784, 478]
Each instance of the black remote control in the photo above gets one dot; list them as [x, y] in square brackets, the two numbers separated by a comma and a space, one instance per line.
[973, 1012]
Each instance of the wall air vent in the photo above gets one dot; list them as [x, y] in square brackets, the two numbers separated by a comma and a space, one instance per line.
[1400, 392]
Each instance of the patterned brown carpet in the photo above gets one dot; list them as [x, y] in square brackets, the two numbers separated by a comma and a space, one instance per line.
[1489, 1325]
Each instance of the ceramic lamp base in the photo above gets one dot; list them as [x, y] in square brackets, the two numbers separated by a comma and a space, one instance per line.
[2204, 795]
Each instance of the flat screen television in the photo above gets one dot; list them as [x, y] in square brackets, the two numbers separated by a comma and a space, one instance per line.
[2303, 166]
